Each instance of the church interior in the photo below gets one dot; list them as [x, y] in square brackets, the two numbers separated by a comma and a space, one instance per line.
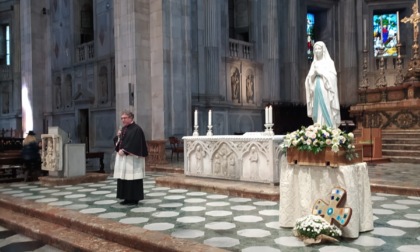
[200, 76]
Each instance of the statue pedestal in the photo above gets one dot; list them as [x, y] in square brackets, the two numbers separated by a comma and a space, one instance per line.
[324, 158]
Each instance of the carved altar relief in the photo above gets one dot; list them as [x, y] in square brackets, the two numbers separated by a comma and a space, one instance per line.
[199, 155]
[257, 156]
[239, 158]
[224, 162]
[51, 154]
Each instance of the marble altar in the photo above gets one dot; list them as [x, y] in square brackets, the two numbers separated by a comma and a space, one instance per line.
[252, 157]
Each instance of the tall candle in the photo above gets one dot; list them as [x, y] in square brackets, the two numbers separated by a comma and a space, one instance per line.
[195, 118]
[266, 114]
[210, 117]
[270, 114]
[398, 26]
[365, 33]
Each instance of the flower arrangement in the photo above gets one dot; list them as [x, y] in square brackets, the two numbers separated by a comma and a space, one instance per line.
[315, 229]
[316, 138]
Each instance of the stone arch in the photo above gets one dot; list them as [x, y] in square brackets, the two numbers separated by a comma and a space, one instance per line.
[103, 89]
[58, 99]
[68, 92]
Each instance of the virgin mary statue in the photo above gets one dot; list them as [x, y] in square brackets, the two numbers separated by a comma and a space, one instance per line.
[321, 89]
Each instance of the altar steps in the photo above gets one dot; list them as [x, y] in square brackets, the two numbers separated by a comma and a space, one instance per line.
[402, 146]
[70, 230]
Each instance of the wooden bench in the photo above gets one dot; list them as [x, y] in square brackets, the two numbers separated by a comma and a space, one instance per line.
[10, 165]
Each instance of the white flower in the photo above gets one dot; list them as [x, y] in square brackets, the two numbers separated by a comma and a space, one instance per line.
[311, 226]
[316, 138]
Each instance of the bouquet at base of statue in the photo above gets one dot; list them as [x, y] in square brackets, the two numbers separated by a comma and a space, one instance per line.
[313, 229]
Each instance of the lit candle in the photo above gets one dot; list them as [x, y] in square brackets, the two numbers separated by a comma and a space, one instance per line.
[365, 33]
[270, 114]
[210, 117]
[398, 26]
[266, 114]
[195, 118]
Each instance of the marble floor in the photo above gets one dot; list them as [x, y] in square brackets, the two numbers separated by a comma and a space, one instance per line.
[230, 223]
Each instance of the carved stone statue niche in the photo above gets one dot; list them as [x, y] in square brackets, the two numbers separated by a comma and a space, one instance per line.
[235, 83]
[250, 89]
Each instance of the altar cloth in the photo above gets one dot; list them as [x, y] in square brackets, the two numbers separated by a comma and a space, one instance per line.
[301, 186]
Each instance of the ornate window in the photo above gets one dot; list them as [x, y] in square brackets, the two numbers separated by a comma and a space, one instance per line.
[310, 40]
[86, 24]
[385, 29]
[5, 44]
[239, 20]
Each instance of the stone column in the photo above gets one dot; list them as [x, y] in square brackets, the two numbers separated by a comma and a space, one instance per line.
[347, 66]
[139, 63]
[211, 46]
[35, 63]
[272, 75]
[292, 86]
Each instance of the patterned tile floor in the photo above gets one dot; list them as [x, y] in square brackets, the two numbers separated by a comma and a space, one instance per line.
[13, 242]
[234, 224]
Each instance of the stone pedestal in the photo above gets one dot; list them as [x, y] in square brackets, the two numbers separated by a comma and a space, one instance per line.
[59, 158]
[74, 160]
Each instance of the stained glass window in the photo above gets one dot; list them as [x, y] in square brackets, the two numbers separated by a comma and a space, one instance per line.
[8, 45]
[310, 21]
[385, 28]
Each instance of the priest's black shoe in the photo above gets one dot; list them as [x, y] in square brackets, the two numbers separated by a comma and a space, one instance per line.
[125, 202]
[132, 202]
[129, 202]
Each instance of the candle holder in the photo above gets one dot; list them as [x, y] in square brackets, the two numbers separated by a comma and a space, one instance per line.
[364, 84]
[209, 132]
[399, 79]
[195, 133]
[381, 81]
[269, 129]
